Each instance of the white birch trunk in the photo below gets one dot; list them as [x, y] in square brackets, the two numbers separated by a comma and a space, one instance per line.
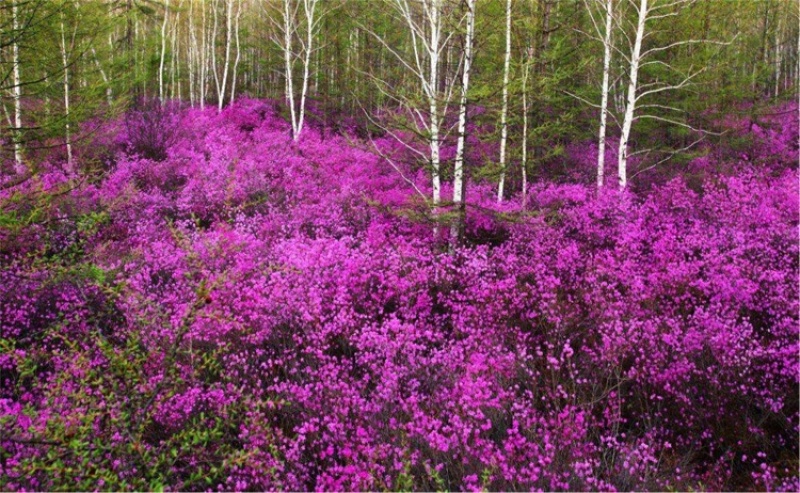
[191, 54]
[65, 67]
[433, 54]
[504, 111]
[203, 58]
[18, 164]
[213, 47]
[310, 9]
[228, 41]
[601, 140]
[238, 54]
[163, 53]
[288, 29]
[194, 58]
[778, 56]
[458, 171]
[630, 106]
[174, 60]
[424, 21]
[524, 160]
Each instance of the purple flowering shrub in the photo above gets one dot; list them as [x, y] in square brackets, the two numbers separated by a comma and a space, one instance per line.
[242, 312]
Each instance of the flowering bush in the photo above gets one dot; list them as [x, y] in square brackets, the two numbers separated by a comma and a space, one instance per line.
[243, 312]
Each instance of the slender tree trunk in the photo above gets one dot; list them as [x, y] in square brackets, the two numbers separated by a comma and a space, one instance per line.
[601, 143]
[424, 19]
[65, 67]
[353, 36]
[504, 111]
[762, 57]
[213, 47]
[288, 29]
[18, 164]
[434, 52]
[238, 54]
[228, 42]
[203, 57]
[630, 107]
[130, 46]
[457, 228]
[163, 53]
[524, 160]
[193, 57]
[310, 8]
[174, 59]
[778, 56]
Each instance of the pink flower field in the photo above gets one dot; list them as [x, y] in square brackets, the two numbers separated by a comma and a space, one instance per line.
[207, 304]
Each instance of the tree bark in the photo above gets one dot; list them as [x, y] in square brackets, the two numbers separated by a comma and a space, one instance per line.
[433, 55]
[18, 164]
[504, 111]
[163, 53]
[309, 7]
[601, 144]
[221, 89]
[524, 160]
[65, 67]
[288, 30]
[457, 228]
[630, 107]
[238, 53]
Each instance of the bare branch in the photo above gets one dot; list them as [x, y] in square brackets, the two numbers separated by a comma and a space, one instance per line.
[681, 124]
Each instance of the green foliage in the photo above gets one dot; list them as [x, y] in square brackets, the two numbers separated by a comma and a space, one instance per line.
[115, 444]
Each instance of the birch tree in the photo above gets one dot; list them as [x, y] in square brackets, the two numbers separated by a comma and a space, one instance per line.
[289, 28]
[17, 89]
[238, 51]
[605, 37]
[192, 54]
[65, 51]
[504, 110]
[222, 86]
[213, 45]
[457, 228]
[312, 24]
[163, 52]
[429, 46]
[526, 69]
[637, 58]
[175, 66]
[203, 56]
[632, 98]
[427, 39]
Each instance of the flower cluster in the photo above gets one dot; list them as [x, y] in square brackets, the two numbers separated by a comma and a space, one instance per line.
[227, 309]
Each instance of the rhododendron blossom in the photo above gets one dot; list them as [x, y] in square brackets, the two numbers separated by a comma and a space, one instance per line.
[230, 309]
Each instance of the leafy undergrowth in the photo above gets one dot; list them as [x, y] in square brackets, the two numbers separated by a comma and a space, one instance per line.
[225, 309]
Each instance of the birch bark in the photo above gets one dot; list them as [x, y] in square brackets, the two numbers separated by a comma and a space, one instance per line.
[456, 231]
[17, 91]
[630, 106]
[163, 53]
[601, 139]
[65, 68]
[504, 111]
